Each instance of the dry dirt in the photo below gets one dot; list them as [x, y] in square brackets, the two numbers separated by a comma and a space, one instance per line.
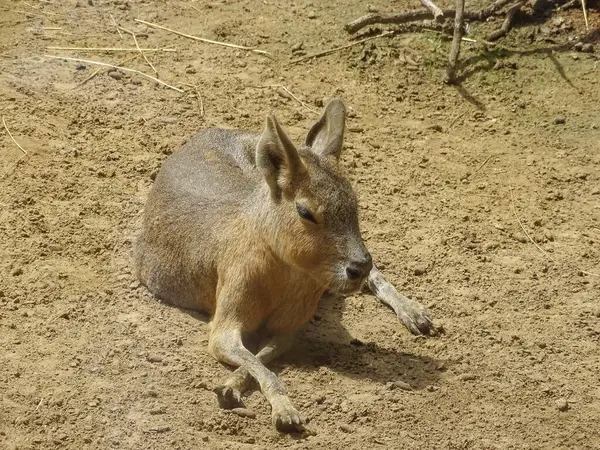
[89, 360]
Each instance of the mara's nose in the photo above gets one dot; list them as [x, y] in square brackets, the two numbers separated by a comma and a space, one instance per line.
[360, 269]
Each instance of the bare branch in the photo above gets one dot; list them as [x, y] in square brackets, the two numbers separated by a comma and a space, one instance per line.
[459, 31]
[438, 14]
[507, 24]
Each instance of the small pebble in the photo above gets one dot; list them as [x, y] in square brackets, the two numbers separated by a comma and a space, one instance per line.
[559, 121]
[154, 358]
[402, 385]
[346, 428]
[519, 237]
[297, 46]
[466, 377]
[562, 404]
[244, 412]
[17, 271]
[312, 15]
[115, 75]
[587, 48]
[418, 271]
[318, 399]
[356, 342]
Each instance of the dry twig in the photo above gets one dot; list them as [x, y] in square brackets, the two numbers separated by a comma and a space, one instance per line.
[585, 14]
[126, 69]
[24, 155]
[507, 24]
[438, 14]
[421, 14]
[198, 98]
[112, 18]
[111, 49]
[139, 49]
[97, 71]
[337, 49]
[281, 86]
[459, 30]
[208, 41]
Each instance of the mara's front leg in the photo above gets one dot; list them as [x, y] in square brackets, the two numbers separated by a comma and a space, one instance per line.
[412, 314]
[230, 393]
[226, 345]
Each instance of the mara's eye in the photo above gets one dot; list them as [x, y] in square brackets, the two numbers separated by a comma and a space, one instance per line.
[305, 213]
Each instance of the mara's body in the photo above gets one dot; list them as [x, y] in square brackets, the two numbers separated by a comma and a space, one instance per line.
[253, 231]
[201, 227]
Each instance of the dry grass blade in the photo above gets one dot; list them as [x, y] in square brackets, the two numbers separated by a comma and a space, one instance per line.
[126, 69]
[24, 155]
[112, 18]
[111, 49]
[97, 71]
[139, 49]
[281, 86]
[207, 41]
[337, 49]
[585, 14]
[198, 98]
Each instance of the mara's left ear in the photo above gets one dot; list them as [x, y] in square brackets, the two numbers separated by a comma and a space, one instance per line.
[276, 157]
[327, 135]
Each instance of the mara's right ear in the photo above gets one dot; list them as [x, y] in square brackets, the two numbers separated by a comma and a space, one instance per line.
[327, 135]
[277, 157]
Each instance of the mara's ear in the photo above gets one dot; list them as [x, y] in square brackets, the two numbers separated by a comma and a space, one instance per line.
[277, 157]
[327, 135]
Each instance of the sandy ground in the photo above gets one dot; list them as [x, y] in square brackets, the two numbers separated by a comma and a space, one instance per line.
[452, 183]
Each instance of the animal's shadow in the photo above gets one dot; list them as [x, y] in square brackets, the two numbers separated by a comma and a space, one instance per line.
[324, 341]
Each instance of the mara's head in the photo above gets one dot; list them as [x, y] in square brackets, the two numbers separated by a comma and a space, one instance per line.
[311, 217]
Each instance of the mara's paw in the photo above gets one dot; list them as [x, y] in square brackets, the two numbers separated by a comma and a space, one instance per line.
[229, 397]
[416, 318]
[286, 418]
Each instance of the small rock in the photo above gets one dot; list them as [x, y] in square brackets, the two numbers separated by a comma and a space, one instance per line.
[559, 120]
[17, 271]
[297, 46]
[318, 399]
[418, 271]
[356, 342]
[346, 428]
[161, 429]
[158, 410]
[489, 246]
[312, 15]
[154, 358]
[402, 385]
[587, 48]
[578, 46]
[244, 412]
[519, 237]
[466, 377]
[372, 9]
[116, 75]
[562, 404]
[190, 69]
